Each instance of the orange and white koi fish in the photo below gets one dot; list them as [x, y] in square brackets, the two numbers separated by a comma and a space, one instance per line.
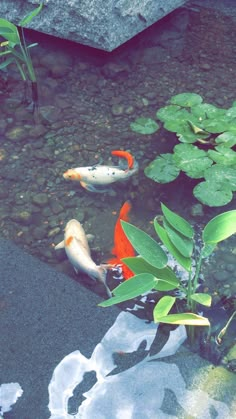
[122, 247]
[78, 252]
[93, 178]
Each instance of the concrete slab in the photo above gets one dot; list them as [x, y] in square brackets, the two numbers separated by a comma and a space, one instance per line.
[103, 25]
[52, 332]
[44, 316]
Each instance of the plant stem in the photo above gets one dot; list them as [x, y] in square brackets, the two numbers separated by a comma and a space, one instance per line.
[224, 330]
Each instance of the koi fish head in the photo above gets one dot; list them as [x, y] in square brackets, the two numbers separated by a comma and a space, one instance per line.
[71, 174]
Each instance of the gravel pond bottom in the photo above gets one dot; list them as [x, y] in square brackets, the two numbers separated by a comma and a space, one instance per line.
[88, 98]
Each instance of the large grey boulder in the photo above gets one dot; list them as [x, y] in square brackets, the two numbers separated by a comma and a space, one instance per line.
[103, 24]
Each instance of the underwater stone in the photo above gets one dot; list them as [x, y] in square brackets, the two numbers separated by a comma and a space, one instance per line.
[40, 199]
[89, 22]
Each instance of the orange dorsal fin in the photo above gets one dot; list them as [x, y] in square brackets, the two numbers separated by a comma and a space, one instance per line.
[68, 240]
[124, 211]
[124, 155]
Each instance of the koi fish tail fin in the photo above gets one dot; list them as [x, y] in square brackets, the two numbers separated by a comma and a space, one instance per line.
[125, 155]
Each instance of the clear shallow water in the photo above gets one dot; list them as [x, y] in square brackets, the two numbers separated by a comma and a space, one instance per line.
[87, 100]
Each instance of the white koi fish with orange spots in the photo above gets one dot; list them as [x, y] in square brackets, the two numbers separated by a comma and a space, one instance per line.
[93, 178]
[78, 252]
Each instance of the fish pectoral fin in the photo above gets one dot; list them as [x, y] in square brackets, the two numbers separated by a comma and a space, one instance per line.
[60, 245]
[91, 188]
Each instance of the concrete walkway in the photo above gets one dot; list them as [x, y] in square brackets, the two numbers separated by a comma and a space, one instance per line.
[48, 320]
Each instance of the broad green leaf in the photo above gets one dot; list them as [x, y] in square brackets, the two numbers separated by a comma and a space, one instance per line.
[188, 319]
[31, 15]
[162, 169]
[185, 262]
[207, 111]
[223, 155]
[5, 63]
[135, 286]
[220, 227]
[167, 279]
[191, 160]
[186, 99]
[222, 175]
[9, 31]
[179, 223]
[201, 298]
[207, 250]
[227, 139]
[145, 245]
[163, 307]
[181, 242]
[144, 126]
[168, 112]
[213, 194]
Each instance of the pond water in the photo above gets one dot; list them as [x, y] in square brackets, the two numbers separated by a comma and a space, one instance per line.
[88, 98]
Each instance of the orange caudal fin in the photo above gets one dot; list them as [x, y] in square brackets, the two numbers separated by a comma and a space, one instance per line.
[122, 247]
[124, 155]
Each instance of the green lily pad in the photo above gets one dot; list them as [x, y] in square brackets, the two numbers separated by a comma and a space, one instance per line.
[191, 160]
[144, 126]
[167, 112]
[228, 139]
[171, 112]
[220, 173]
[186, 99]
[213, 194]
[207, 111]
[223, 155]
[231, 112]
[162, 169]
[191, 137]
[215, 126]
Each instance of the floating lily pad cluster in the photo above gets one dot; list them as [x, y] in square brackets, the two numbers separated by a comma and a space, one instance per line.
[212, 159]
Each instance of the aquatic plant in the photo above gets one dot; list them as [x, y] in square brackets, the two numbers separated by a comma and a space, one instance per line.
[16, 51]
[212, 159]
[151, 270]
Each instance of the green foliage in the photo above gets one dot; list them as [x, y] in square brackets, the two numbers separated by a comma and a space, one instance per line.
[212, 159]
[16, 51]
[177, 235]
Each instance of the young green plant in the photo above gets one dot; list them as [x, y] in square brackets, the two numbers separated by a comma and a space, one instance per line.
[151, 270]
[16, 51]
